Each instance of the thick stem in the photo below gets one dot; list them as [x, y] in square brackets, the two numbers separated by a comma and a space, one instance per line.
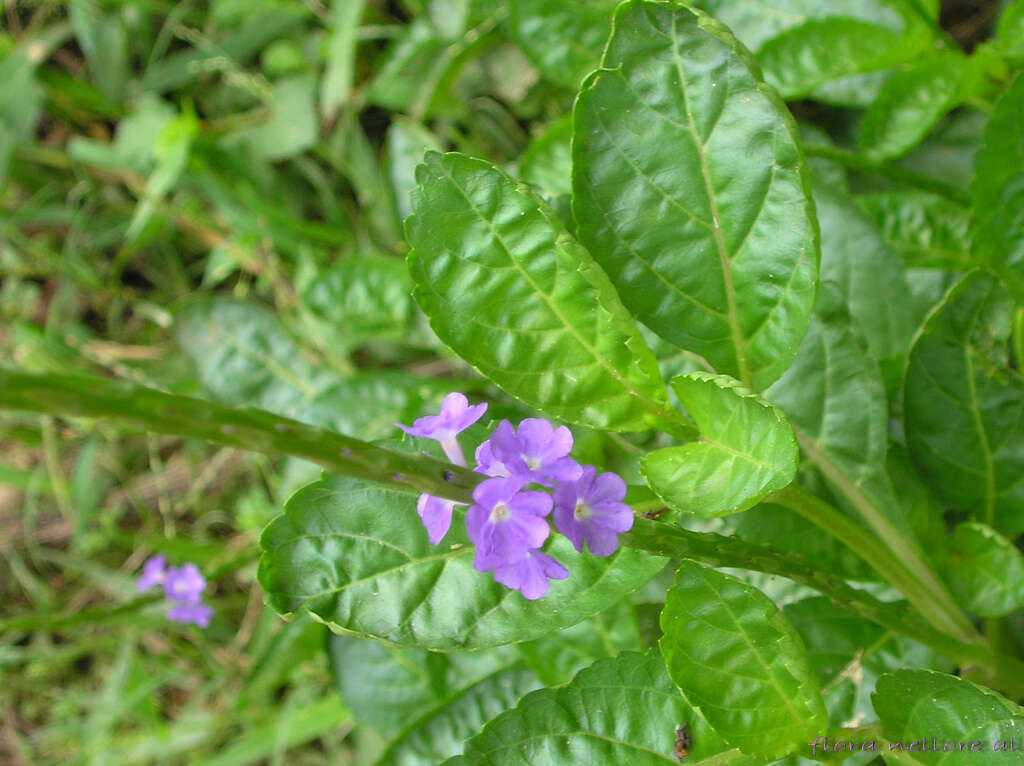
[934, 604]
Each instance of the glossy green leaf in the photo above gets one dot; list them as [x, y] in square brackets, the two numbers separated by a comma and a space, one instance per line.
[690, 191]
[866, 272]
[508, 289]
[922, 706]
[984, 570]
[738, 660]
[962, 405]
[802, 59]
[849, 653]
[755, 22]
[357, 558]
[620, 710]
[747, 450]
[547, 160]
[926, 230]
[913, 100]
[441, 732]
[563, 38]
[997, 192]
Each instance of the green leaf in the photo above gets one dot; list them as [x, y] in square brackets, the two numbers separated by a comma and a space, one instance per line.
[357, 557]
[102, 38]
[407, 140]
[984, 570]
[804, 58]
[738, 660]
[913, 100]
[755, 22]
[620, 710]
[997, 192]
[962, 405]
[849, 653]
[292, 125]
[547, 161]
[926, 230]
[170, 155]
[510, 291]
[916, 705]
[690, 191]
[341, 54]
[1010, 29]
[563, 38]
[866, 272]
[747, 450]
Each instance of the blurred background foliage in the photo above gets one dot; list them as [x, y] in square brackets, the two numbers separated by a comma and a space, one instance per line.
[207, 197]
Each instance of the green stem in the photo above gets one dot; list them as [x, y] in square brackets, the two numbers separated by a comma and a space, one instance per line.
[254, 430]
[888, 170]
[934, 604]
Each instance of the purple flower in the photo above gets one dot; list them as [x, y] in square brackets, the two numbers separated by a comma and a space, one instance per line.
[529, 574]
[487, 464]
[436, 514]
[153, 572]
[184, 584]
[591, 509]
[196, 613]
[456, 415]
[504, 522]
[537, 453]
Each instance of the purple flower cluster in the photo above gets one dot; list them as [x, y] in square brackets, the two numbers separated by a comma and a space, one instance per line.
[508, 521]
[183, 587]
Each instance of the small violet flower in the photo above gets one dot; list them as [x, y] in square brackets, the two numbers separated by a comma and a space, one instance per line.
[183, 588]
[591, 510]
[436, 515]
[183, 612]
[153, 572]
[184, 584]
[530, 574]
[504, 523]
[538, 452]
[456, 415]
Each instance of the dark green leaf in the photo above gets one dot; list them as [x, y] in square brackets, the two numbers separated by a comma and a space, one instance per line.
[927, 231]
[103, 40]
[510, 291]
[746, 450]
[618, 711]
[357, 557]
[738, 660]
[962, 405]
[692, 194]
[547, 161]
[984, 570]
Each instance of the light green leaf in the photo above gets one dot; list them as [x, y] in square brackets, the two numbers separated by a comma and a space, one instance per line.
[341, 54]
[623, 710]
[926, 230]
[916, 705]
[407, 140]
[997, 192]
[103, 40]
[170, 155]
[563, 38]
[1010, 29]
[913, 100]
[739, 661]
[962, 405]
[357, 558]
[747, 450]
[802, 59]
[849, 653]
[510, 291]
[984, 570]
[868, 275]
[547, 161]
[292, 125]
[690, 191]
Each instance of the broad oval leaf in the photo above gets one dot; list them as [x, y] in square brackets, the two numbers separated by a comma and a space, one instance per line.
[916, 705]
[741, 662]
[997, 191]
[510, 291]
[747, 450]
[691, 192]
[962, 404]
[984, 570]
[563, 38]
[926, 230]
[618, 711]
[357, 558]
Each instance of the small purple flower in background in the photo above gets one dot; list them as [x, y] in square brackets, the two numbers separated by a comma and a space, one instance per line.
[183, 589]
[436, 515]
[183, 612]
[504, 523]
[456, 415]
[538, 452]
[530, 574]
[153, 572]
[591, 510]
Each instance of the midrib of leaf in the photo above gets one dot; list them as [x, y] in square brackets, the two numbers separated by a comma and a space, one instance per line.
[723, 255]
[990, 494]
[629, 388]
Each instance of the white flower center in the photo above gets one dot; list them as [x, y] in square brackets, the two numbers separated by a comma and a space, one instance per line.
[533, 463]
[583, 511]
[499, 513]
